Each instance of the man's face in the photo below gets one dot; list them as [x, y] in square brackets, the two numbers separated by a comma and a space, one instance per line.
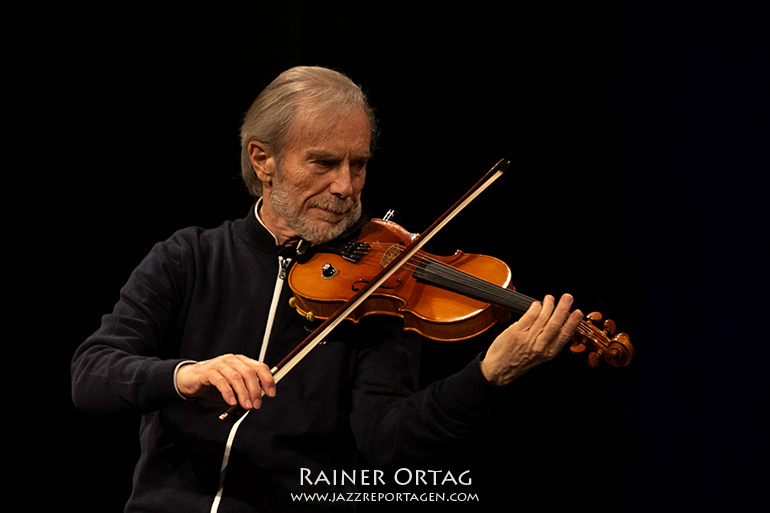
[317, 188]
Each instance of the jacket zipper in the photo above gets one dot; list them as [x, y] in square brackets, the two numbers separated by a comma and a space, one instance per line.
[283, 266]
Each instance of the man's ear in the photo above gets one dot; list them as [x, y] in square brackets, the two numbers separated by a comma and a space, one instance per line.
[262, 161]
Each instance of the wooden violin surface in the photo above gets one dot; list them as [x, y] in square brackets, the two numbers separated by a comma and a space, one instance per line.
[329, 279]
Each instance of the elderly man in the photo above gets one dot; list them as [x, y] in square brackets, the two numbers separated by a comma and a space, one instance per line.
[205, 315]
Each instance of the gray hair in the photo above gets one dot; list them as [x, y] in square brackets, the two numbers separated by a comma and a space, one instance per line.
[271, 117]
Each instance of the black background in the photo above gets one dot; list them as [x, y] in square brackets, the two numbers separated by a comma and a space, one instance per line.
[638, 138]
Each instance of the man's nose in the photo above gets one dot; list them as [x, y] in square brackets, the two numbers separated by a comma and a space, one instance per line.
[342, 182]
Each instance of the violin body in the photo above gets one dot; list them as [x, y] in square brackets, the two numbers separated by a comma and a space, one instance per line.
[327, 280]
[446, 298]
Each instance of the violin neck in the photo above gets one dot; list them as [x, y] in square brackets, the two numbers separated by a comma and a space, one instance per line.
[448, 278]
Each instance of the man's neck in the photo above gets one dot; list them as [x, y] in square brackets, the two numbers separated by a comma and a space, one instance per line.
[267, 217]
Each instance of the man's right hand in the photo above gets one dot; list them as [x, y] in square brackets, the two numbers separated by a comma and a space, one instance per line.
[236, 378]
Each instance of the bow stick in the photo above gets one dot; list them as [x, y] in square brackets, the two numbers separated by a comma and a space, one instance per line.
[323, 330]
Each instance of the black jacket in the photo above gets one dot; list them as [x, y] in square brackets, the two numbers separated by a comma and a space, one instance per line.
[203, 293]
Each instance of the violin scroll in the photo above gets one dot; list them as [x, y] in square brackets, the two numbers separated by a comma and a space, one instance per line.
[602, 343]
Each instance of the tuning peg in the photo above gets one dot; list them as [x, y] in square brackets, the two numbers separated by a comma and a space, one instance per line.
[577, 347]
[594, 359]
[609, 327]
[594, 317]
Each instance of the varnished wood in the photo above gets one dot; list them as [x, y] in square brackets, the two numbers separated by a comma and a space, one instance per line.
[433, 312]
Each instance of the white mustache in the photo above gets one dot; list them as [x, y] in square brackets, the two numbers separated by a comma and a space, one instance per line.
[333, 204]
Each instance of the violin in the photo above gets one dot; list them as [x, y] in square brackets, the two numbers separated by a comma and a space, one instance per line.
[383, 270]
[442, 298]
[445, 298]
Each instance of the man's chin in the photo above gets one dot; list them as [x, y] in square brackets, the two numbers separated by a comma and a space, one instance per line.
[325, 229]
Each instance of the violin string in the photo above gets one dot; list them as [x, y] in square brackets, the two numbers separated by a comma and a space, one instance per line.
[497, 294]
[446, 270]
[501, 294]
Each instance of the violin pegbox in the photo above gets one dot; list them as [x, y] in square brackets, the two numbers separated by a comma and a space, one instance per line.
[602, 344]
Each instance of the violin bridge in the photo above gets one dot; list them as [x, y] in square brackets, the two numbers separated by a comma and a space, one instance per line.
[390, 255]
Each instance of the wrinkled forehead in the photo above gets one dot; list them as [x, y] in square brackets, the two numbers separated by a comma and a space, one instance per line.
[324, 126]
